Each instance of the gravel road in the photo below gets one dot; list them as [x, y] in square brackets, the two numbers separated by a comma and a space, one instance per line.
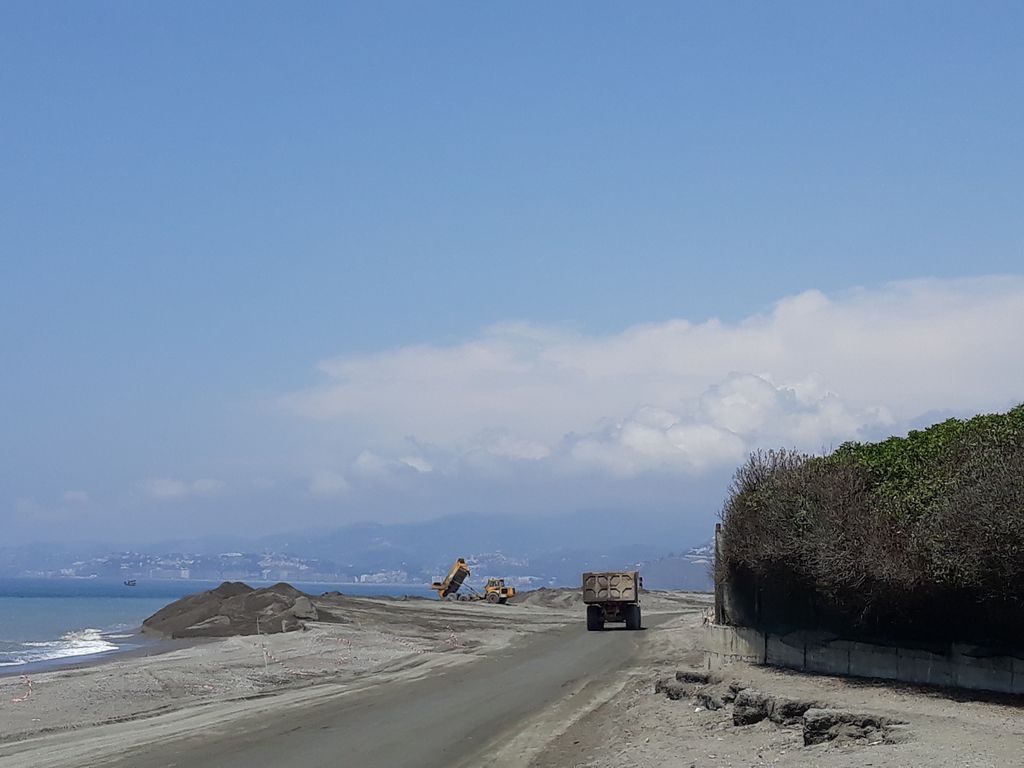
[447, 719]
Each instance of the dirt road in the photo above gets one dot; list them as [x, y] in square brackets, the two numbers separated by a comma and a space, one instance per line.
[445, 719]
[498, 708]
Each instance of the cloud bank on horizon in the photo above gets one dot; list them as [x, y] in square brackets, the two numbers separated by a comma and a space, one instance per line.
[672, 397]
[529, 419]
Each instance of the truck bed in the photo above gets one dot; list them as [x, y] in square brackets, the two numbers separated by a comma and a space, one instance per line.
[611, 587]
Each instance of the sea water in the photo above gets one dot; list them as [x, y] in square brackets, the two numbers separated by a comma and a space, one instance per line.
[46, 622]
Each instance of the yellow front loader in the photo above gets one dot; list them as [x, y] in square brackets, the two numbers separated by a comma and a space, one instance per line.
[495, 591]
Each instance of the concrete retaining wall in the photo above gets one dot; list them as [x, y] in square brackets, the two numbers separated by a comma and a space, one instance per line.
[733, 644]
[960, 666]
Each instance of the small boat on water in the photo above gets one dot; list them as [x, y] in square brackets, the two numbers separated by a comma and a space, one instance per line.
[129, 582]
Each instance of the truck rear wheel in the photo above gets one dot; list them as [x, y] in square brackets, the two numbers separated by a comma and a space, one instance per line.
[595, 618]
[493, 597]
[632, 617]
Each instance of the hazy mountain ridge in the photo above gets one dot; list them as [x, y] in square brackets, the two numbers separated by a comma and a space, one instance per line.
[403, 553]
[691, 569]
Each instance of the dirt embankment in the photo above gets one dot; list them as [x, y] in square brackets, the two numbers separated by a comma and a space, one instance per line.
[235, 608]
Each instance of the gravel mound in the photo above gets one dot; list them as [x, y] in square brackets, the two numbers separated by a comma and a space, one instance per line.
[233, 608]
[560, 597]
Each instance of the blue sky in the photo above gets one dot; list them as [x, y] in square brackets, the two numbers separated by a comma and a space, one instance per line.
[215, 219]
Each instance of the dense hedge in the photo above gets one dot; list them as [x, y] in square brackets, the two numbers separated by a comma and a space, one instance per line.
[918, 536]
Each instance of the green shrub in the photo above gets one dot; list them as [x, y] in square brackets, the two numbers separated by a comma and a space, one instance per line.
[920, 535]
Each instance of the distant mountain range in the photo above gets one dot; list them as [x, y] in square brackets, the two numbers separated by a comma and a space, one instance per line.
[532, 551]
[691, 569]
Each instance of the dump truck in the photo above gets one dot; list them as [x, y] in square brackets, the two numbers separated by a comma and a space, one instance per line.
[448, 588]
[612, 596]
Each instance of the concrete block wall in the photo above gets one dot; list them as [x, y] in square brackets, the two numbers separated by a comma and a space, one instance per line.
[787, 651]
[960, 667]
[869, 660]
[828, 658]
[989, 673]
[1017, 684]
[925, 668]
[724, 645]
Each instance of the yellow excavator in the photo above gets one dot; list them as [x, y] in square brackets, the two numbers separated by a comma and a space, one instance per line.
[495, 590]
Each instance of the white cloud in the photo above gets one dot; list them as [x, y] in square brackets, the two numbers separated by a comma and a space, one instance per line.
[369, 465]
[76, 497]
[677, 396]
[721, 425]
[164, 488]
[206, 486]
[328, 483]
[635, 446]
[515, 448]
[418, 463]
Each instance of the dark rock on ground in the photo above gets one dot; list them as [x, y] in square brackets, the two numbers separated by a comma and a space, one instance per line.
[750, 707]
[789, 711]
[821, 725]
[696, 677]
[709, 698]
[706, 688]
[733, 691]
[672, 688]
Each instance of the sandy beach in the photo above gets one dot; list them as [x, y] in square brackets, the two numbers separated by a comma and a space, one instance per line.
[387, 637]
[418, 682]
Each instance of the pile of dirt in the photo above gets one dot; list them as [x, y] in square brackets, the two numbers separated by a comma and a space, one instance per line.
[560, 597]
[234, 608]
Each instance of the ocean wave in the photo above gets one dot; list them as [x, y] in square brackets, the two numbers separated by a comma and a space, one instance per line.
[84, 642]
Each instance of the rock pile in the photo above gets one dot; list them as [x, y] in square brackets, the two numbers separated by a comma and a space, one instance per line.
[234, 608]
[819, 723]
[753, 706]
